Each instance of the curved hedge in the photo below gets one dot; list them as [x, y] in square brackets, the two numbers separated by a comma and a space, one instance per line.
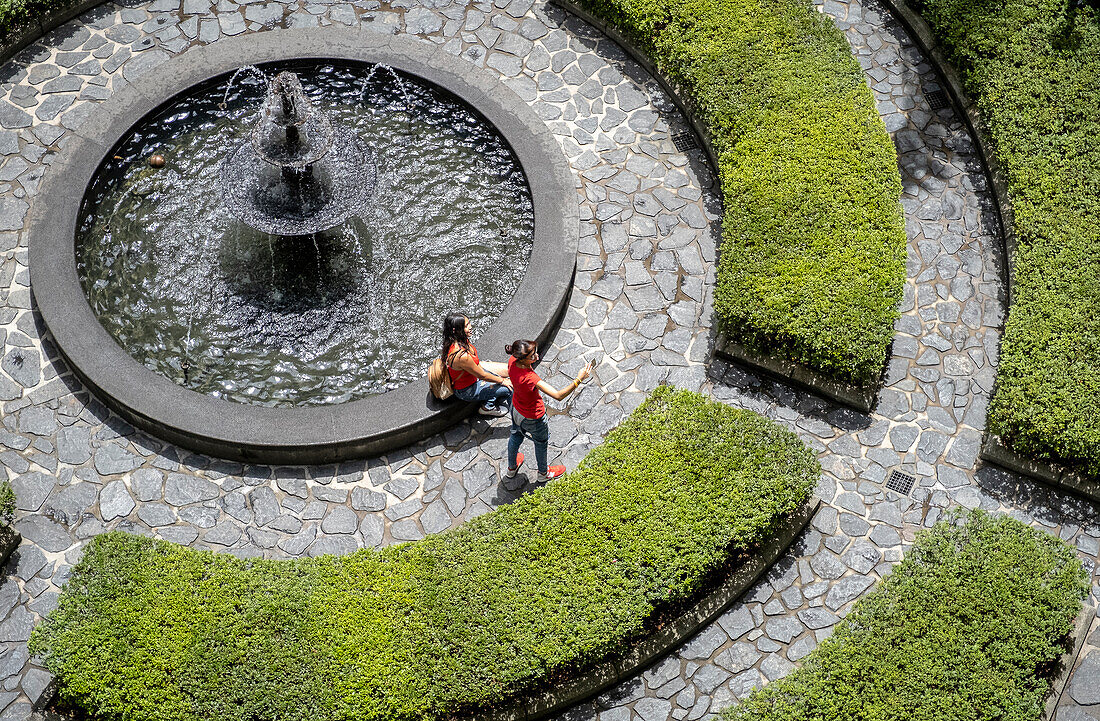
[15, 14]
[814, 245]
[1033, 68]
[18, 15]
[146, 629]
[965, 628]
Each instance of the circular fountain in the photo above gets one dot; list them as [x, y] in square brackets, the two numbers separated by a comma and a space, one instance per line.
[274, 291]
[257, 266]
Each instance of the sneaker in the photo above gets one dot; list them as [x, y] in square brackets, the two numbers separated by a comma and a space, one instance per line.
[551, 473]
[511, 472]
[494, 411]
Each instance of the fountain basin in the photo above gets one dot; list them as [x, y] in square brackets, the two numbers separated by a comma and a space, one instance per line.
[291, 434]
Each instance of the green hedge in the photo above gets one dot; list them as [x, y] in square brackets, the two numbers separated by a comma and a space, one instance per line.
[965, 628]
[15, 15]
[813, 250]
[149, 630]
[1033, 68]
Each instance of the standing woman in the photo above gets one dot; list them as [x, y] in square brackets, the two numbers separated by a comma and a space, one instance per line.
[528, 411]
[473, 381]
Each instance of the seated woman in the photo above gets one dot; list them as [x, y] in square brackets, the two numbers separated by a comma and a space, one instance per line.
[473, 380]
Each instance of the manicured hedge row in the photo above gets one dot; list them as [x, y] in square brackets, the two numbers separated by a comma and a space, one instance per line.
[813, 251]
[1033, 68]
[965, 628]
[148, 630]
[15, 15]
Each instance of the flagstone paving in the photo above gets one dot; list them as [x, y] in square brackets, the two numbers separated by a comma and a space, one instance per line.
[642, 302]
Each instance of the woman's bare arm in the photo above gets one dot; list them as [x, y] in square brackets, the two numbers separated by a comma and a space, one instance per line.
[501, 369]
[564, 392]
[464, 362]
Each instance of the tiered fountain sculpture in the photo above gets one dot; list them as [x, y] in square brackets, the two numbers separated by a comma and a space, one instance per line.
[297, 174]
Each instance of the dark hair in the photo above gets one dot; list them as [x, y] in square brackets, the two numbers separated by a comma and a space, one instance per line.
[520, 349]
[454, 333]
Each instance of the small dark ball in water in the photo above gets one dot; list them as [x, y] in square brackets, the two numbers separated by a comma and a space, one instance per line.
[157, 161]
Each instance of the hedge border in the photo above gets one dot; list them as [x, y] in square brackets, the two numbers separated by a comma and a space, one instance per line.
[555, 699]
[861, 398]
[994, 450]
[1068, 659]
[43, 25]
[547, 702]
[1073, 640]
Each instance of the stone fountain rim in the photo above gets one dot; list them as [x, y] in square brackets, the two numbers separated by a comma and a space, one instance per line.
[294, 435]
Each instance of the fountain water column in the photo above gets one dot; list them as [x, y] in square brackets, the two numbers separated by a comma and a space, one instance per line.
[298, 174]
[297, 179]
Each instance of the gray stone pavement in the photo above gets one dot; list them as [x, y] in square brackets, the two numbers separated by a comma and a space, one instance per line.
[642, 298]
[1081, 699]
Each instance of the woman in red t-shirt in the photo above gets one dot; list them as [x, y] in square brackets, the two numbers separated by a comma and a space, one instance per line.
[528, 411]
[474, 381]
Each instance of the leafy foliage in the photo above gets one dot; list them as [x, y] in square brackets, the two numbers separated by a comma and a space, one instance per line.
[16, 15]
[813, 252]
[148, 630]
[1033, 67]
[961, 630]
[7, 503]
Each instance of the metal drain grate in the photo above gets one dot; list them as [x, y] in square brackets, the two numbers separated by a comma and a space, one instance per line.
[684, 142]
[937, 99]
[900, 482]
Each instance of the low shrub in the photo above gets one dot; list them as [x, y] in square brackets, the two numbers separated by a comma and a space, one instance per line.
[15, 15]
[814, 245]
[7, 503]
[149, 630]
[965, 628]
[1033, 68]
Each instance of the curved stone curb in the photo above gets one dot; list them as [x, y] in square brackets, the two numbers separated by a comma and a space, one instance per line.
[997, 452]
[1068, 659]
[42, 25]
[705, 611]
[320, 434]
[861, 398]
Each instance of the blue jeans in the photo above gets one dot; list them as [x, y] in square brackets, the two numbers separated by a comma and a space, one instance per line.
[537, 429]
[490, 395]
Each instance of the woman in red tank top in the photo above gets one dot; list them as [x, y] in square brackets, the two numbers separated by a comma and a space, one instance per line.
[528, 410]
[474, 381]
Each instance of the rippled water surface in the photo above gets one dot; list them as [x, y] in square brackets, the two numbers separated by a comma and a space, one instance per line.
[225, 310]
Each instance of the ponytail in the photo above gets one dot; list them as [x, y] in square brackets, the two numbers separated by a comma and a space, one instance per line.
[521, 349]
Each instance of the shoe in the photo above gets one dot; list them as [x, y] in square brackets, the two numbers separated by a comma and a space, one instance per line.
[511, 472]
[551, 473]
[495, 412]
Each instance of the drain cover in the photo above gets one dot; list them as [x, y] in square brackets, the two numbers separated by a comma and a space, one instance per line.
[684, 142]
[900, 482]
[937, 99]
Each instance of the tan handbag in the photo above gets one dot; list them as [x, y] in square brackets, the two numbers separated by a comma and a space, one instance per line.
[439, 379]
